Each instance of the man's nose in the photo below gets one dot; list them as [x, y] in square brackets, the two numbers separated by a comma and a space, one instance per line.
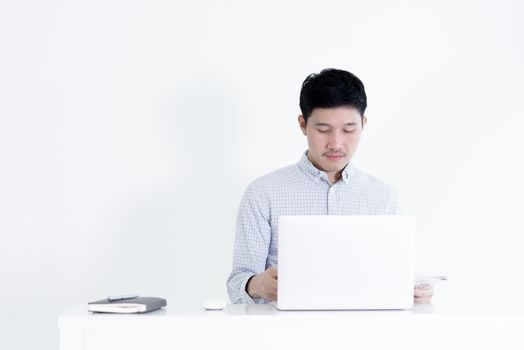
[335, 141]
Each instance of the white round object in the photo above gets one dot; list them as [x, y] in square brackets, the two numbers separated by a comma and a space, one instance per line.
[214, 304]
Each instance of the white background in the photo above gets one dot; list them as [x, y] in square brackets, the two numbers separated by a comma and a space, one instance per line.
[129, 130]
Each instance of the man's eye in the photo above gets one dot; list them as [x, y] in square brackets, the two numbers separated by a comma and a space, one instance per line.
[322, 131]
[349, 131]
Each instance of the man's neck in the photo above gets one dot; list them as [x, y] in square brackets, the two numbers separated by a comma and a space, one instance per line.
[334, 177]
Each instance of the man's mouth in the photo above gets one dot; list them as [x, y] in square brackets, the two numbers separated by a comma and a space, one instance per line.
[334, 156]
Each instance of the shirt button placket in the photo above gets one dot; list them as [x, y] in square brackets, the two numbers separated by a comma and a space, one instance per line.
[332, 206]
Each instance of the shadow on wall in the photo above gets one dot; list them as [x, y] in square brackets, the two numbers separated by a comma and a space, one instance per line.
[177, 241]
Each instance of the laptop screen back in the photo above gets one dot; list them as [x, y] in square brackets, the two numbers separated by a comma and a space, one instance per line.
[345, 262]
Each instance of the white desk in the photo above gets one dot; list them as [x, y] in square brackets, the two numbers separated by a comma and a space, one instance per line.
[425, 327]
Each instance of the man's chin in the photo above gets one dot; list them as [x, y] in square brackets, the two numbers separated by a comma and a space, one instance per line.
[335, 165]
[331, 166]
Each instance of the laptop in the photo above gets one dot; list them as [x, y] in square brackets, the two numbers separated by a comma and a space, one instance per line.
[334, 262]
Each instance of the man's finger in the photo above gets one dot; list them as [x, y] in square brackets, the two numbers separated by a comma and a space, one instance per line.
[272, 271]
[274, 288]
[422, 300]
[272, 297]
[423, 292]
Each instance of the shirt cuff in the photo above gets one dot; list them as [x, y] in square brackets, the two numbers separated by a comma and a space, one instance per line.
[246, 298]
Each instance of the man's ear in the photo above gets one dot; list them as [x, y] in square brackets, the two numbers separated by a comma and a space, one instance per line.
[364, 121]
[302, 123]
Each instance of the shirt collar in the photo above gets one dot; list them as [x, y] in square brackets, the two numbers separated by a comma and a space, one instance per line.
[308, 167]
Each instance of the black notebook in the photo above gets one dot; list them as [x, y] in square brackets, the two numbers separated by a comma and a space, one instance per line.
[127, 306]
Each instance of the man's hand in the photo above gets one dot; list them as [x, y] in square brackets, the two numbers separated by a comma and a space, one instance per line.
[423, 293]
[264, 285]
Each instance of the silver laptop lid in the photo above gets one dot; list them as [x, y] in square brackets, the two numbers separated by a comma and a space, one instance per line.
[345, 262]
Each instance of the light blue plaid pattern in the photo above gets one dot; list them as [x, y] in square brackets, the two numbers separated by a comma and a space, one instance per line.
[299, 189]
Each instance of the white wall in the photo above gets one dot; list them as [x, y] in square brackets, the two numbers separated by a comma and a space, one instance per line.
[129, 130]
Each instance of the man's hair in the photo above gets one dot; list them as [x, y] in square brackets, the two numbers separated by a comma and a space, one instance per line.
[332, 88]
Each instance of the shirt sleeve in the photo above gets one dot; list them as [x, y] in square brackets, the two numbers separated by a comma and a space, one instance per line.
[392, 207]
[252, 239]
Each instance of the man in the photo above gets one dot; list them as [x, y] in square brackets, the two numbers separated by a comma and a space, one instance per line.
[324, 182]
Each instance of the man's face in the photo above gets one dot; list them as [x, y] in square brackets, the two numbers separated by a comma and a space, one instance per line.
[333, 135]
